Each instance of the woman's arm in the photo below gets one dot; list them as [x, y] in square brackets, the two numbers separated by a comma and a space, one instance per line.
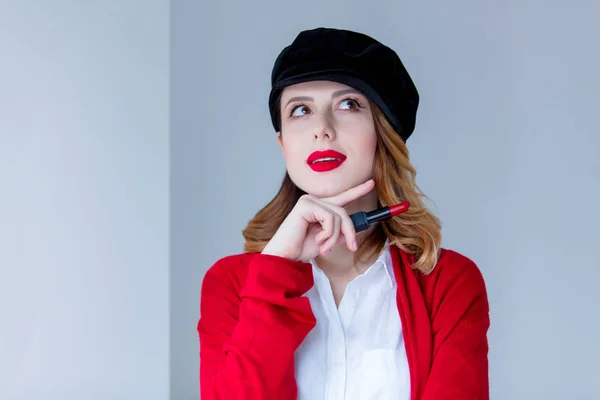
[248, 337]
[460, 321]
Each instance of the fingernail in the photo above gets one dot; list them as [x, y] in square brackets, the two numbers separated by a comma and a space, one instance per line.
[354, 245]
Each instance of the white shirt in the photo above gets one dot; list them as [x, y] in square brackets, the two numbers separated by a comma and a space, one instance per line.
[356, 351]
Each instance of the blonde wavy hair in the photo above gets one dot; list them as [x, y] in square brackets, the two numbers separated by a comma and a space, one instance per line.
[417, 231]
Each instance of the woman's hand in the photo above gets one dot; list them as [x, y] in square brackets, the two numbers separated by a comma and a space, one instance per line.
[315, 225]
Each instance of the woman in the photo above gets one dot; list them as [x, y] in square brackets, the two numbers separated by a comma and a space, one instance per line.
[313, 310]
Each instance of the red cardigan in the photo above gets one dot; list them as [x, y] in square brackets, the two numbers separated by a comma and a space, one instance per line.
[253, 317]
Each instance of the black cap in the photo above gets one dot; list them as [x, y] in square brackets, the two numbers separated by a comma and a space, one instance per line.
[354, 59]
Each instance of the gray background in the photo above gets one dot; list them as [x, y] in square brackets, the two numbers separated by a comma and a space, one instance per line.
[84, 200]
[506, 145]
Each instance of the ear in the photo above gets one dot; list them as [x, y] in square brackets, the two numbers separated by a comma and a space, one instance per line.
[280, 139]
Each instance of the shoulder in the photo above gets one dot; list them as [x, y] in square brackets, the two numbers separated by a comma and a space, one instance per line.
[229, 271]
[452, 265]
[454, 275]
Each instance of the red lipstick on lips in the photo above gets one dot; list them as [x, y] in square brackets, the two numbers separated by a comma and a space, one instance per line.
[322, 161]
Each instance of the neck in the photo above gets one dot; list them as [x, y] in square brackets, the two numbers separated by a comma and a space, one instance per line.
[368, 202]
[340, 261]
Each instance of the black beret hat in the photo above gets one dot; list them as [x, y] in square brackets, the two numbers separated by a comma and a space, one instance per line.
[353, 59]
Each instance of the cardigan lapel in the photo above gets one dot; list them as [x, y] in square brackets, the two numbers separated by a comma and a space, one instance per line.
[416, 325]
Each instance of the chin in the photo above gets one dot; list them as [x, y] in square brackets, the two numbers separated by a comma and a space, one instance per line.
[327, 187]
[328, 184]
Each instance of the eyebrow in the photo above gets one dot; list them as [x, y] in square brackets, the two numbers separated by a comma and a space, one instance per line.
[333, 95]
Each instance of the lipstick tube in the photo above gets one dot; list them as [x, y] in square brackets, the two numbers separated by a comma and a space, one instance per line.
[363, 220]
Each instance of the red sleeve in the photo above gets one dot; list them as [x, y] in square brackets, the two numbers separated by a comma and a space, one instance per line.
[248, 337]
[460, 321]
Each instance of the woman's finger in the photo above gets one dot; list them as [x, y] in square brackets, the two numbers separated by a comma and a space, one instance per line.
[335, 234]
[347, 226]
[321, 213]
[351, 194]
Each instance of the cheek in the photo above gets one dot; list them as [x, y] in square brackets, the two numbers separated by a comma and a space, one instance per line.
[368, 148]
[293, 151]
[364, 141]
[365, 155]
[369, 140]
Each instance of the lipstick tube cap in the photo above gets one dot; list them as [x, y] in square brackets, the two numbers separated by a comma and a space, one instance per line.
[359, 220]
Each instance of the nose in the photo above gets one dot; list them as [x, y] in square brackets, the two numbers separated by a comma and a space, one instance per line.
[324, 130]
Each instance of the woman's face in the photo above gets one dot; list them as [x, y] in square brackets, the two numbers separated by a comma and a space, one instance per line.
[324, 116]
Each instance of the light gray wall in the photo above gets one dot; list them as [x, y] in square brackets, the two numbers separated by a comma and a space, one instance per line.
[84, 200]
[506, 145]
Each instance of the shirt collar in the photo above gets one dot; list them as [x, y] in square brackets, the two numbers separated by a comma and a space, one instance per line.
[384, 259]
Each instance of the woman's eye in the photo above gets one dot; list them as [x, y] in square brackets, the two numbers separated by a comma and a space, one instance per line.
[299, 111]
[349, 104]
